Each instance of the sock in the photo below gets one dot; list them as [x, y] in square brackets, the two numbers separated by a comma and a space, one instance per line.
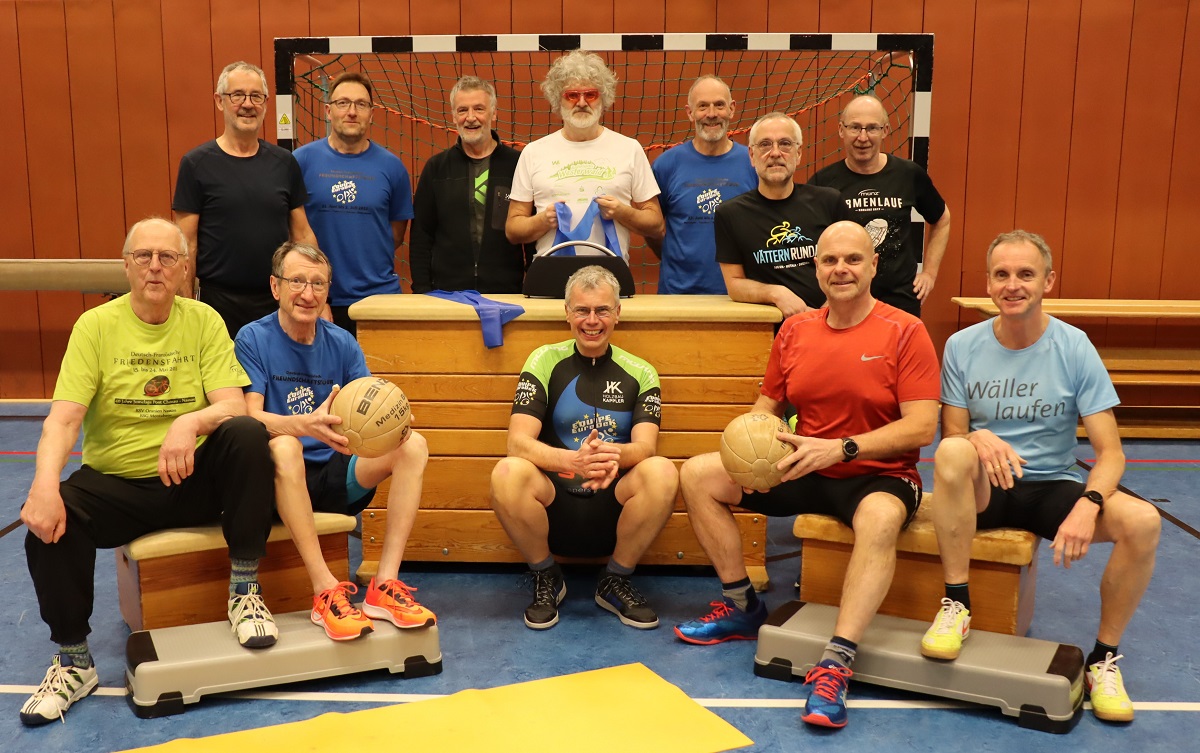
[959, 592]
[78, 653]
[242, 571]
[741, 593]
[548, 565]
[839, 651]
[618, 570]
[1099, 651]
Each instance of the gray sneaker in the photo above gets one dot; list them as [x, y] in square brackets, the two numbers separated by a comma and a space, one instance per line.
[63, 685]
[249, 618]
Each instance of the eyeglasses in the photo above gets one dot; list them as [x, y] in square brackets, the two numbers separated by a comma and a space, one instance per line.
[142, 257]
[296, 285]
[342, 105]
[854, 129]
[238, 98]
[601, 312]
[581, 95]
[787, 146]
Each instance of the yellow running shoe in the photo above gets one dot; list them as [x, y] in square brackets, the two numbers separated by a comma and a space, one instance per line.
[944, 638]
[341, 619]
[391, 600]
[1110, 702]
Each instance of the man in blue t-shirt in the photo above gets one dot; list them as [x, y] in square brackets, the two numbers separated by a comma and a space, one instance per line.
[1013, 390]
[695, 177]
[359, 198]
[296, 361]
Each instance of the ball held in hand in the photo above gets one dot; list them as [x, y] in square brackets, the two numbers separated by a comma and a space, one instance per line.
[375, 416]
[750, 450]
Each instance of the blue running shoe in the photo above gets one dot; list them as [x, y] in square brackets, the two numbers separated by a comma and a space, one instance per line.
[826, 704]
[724, 623]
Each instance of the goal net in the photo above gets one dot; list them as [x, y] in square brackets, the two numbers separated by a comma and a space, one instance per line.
[808, 76]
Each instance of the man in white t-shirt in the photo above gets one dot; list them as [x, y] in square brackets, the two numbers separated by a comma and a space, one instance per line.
[570, 184]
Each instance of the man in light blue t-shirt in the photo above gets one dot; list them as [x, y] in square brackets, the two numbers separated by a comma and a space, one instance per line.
[695, 177]
[1013, 391]
[359, 198]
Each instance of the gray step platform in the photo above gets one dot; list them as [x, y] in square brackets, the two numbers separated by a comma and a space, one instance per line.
[169, 668]
[1039, 682]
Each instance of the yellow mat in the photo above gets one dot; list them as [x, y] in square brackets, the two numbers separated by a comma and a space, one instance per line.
[627, 708]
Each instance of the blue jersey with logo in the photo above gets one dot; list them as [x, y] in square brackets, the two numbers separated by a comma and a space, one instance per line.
[294, 378]
[353, 199]
[693, 186]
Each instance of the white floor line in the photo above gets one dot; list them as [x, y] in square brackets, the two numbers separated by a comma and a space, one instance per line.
[712, 703]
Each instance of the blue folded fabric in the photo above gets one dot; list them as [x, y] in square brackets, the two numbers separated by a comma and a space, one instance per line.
[583, 229]
[493, 315]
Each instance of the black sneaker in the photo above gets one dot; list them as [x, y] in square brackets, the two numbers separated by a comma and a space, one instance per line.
[549, 588]
[616, 594]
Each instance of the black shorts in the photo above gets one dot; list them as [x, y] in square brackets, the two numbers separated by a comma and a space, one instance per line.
[332, 486]
[582, 523]
[1037, 506]
[838, 497]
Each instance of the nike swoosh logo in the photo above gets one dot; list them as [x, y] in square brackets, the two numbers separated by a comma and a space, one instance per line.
[865, 357]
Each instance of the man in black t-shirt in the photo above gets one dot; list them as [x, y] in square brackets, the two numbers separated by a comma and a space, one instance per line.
[881, 191]
[238, 198]
[582, 477]
[767, 238]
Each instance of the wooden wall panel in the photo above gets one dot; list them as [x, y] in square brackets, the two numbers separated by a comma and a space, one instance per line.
[639, 16]
[890, 17]
[189, 79]
[754, 15]
[51, 160]
[21, 357]
[538, 17]
[335, 18]
[587, 17]
[436, 18]
[385, 17]
[486, 17]
[236, 35]
[280, 18]
[690, 16]
[142, 108]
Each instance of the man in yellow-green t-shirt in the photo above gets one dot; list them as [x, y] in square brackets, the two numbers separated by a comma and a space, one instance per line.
[153, 381]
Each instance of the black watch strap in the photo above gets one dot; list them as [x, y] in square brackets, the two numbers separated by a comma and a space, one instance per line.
[1096, 497]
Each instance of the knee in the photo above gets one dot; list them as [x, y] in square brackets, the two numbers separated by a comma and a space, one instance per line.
[508, 477]
[698, 473]
[414, 453]
[287, 453]
[659, 476]
[1141, 524]
[954, 459]
[878, 520]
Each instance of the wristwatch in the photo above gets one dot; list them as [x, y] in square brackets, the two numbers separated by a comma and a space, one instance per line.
[1096, 497]
[849, 449]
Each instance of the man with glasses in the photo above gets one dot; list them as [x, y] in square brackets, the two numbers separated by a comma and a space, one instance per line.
[237, 198]
[458, 240]
[152, 380]
[296, 361]
[696, 177]
[582, 478]
[881, 191]
[767, 238]
[864, 379]
[359, 198]
[583, 172]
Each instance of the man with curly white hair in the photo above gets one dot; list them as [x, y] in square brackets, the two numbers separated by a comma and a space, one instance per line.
[584, 172]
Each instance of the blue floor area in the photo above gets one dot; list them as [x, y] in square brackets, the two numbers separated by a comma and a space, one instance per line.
[485, 644]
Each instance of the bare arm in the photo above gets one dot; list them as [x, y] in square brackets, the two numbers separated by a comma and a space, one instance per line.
[935, 250]
[298, 228]
[399, 230]
[176, 459]
[43, 512]
[1076, 532]
[524, 226]
[593, 460]
[1001, 463]
[319, 424]
[745, 290]
[642, 217]
[189, 223]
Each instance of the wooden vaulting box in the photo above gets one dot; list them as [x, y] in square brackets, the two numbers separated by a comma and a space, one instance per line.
[710, 354]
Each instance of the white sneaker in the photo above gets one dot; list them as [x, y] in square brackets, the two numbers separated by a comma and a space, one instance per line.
[249, 618]
[63, 685]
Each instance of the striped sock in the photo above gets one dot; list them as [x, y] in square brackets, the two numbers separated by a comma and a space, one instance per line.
[241, 571]
[79, 654]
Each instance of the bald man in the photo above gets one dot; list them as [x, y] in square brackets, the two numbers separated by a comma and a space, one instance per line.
[881, 191]
[864, 378]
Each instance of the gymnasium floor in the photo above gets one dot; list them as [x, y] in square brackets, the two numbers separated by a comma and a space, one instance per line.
[485, 644]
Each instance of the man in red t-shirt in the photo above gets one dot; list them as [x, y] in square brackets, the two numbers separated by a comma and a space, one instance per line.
[863, 377]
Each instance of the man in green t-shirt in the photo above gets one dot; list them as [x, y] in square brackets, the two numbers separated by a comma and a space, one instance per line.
[152, 380]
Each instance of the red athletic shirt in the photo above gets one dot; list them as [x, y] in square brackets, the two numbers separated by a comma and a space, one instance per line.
[844, 382]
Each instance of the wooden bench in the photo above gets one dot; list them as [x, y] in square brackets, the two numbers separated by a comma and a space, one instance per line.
[1003, 571]
[180, 576]
[710, 353]
[1141, 374]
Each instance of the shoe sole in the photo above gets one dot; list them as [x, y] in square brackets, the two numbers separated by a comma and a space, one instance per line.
[258, 641]
[714, 641]
[380, 613]
[318, 620]
[37, 720]
[821, 720]
[600, 602]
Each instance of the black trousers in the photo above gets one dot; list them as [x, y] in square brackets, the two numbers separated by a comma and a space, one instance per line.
[233, 483]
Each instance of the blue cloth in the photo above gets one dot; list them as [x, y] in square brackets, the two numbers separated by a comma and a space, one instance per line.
[583, 230]
[493, 315]
[693, 186]
[353, 199]
[1031, 398]
[294, 378]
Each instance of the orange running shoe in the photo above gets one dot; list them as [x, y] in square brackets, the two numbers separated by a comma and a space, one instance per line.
[341, 619]
[393, 601]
